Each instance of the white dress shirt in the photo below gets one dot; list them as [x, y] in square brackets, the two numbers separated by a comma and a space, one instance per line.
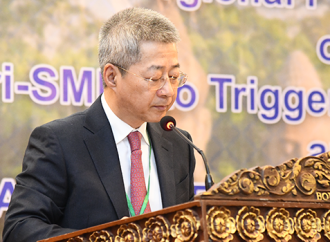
[120, 130]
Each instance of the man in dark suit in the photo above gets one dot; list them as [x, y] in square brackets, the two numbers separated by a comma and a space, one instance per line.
[76, 170]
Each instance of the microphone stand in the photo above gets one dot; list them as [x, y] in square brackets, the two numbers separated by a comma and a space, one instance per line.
[208, 178]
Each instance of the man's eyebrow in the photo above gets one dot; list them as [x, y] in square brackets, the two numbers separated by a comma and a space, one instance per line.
[155, 67]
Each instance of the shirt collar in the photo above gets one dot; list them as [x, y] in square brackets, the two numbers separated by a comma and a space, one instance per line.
[120, 129]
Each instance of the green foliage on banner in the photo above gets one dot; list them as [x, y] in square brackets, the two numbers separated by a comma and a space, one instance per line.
[245, 41]
[39, 32]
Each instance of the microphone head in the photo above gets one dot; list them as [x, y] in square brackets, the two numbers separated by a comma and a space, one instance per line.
[166, 123]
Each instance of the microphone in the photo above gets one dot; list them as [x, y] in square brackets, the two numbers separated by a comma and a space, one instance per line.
[168, 124]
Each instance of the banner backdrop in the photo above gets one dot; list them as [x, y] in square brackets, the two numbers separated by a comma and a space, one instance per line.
[258, 90]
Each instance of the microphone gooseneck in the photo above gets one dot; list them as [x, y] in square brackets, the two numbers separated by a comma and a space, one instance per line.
[168, 124]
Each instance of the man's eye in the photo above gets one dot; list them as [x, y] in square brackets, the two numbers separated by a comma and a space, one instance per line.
[154, 79]
[173, 78]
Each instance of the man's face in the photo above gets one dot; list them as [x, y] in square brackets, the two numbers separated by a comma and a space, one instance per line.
[135, 102]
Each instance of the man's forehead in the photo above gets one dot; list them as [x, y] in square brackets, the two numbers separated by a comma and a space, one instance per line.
[158, 56]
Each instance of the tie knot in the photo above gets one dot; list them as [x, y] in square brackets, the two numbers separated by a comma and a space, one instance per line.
[134, 139]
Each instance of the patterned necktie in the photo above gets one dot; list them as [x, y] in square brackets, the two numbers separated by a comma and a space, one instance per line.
[138, 186]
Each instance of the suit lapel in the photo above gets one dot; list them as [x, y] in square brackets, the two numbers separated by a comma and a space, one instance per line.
[103, 151]
[101, 145]
[163, 151]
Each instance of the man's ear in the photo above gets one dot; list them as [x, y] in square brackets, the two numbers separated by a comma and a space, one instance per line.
[110, 73]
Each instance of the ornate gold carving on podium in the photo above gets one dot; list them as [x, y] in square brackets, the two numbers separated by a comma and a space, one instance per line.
[220, 224]
[250, 224]
[261, 181]
[279, 225]
[294, 175]
[76, 239]
[186, 226]
[156, 230]
[326, 224]
[288, 202]
[129, 233]
[307, 225]
[101, 236]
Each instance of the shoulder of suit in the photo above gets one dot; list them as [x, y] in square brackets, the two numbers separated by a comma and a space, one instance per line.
[95, 109]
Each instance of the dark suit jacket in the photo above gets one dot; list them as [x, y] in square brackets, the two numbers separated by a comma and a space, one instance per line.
[72, 179]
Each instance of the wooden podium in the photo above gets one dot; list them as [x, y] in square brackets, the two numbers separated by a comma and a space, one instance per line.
[289, 202]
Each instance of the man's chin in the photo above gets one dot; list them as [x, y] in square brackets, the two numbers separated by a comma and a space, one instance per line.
[156, 119]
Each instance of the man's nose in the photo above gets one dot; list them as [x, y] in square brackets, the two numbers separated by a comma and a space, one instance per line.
[167, 89]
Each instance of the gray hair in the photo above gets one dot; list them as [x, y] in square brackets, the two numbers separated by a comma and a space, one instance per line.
[121, 36]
